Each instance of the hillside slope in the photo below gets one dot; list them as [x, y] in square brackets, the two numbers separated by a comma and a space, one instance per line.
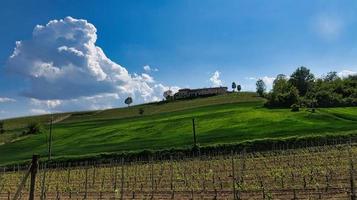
[221, 119]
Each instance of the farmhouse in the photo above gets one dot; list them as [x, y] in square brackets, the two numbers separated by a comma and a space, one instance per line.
[201, 92]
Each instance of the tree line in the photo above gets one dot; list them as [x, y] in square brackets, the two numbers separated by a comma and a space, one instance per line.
[303, 89]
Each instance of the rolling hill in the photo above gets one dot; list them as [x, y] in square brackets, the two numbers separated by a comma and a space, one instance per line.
[221, 119]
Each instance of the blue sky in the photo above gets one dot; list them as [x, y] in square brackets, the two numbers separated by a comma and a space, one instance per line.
[185, 43]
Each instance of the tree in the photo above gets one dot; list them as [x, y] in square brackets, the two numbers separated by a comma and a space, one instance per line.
[302, 79]
[128, 101]
[285, 98]
[304, 90]
[33, 128]
[239, 88]
[2, 130]
[331, 76]
[234, 85]
[168, 94]
[260, 87]
[280, 84]
[141, 111]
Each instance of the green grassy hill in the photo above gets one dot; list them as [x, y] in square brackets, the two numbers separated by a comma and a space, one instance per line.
[221, 119]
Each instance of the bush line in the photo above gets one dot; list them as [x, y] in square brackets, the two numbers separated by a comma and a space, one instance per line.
[258, 145]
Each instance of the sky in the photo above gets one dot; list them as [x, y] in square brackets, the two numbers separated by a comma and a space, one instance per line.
[58, 56]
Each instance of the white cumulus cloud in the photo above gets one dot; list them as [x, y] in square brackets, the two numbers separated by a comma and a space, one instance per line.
[267, 80]
[39, 111]
[149, 69]
[215, 79]
[6, 100]
[346, 73]
[62, 62]
[46, 103]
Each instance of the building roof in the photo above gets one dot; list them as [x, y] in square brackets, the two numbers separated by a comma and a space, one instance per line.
[187, 89]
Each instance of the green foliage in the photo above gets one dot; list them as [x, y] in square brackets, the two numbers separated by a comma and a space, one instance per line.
[128, 101]
[302, 79]
[141, 111]
[284, 95]
[331, 76]
[295, 108]
[2, 129]
[33, 128]
[239, 88]
[328, 91]
[261, 87]
[234, 86]
[331, 91]
[231, 118]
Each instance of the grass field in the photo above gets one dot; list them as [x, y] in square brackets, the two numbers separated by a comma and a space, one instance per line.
[222, 119]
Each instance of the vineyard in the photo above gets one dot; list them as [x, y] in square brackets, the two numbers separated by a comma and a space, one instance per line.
[325, 172]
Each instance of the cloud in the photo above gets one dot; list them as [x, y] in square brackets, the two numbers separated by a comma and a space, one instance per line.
[328, 26]
[39, 111]
[346, 73]
[216, 82]
[148, 69]
[146, 78]
[267, 80]
[62, 62]
[46, 103]
[96, 102]
[6, 100]
[160, 89]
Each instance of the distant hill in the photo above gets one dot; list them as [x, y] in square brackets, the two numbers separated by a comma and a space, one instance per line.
[220, 119]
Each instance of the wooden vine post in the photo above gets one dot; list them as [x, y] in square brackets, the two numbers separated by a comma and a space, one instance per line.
[233, 178]
[43, 182]
[122, 179]
[31, 171]
[34, 167]
[172, 178]
[352, 175]
[152, 177]
[86, 182]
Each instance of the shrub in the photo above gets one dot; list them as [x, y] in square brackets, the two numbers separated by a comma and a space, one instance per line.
[295, 108]
[261, 87]
[303, 88]
[128, 101]
[289, 97]
[141, 111]
[33, 128]
[2, 130]
[328, 99]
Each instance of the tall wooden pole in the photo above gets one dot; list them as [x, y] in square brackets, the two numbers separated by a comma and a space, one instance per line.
[34, 168]
[42, 197]
[194, 132]
[50, 140]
